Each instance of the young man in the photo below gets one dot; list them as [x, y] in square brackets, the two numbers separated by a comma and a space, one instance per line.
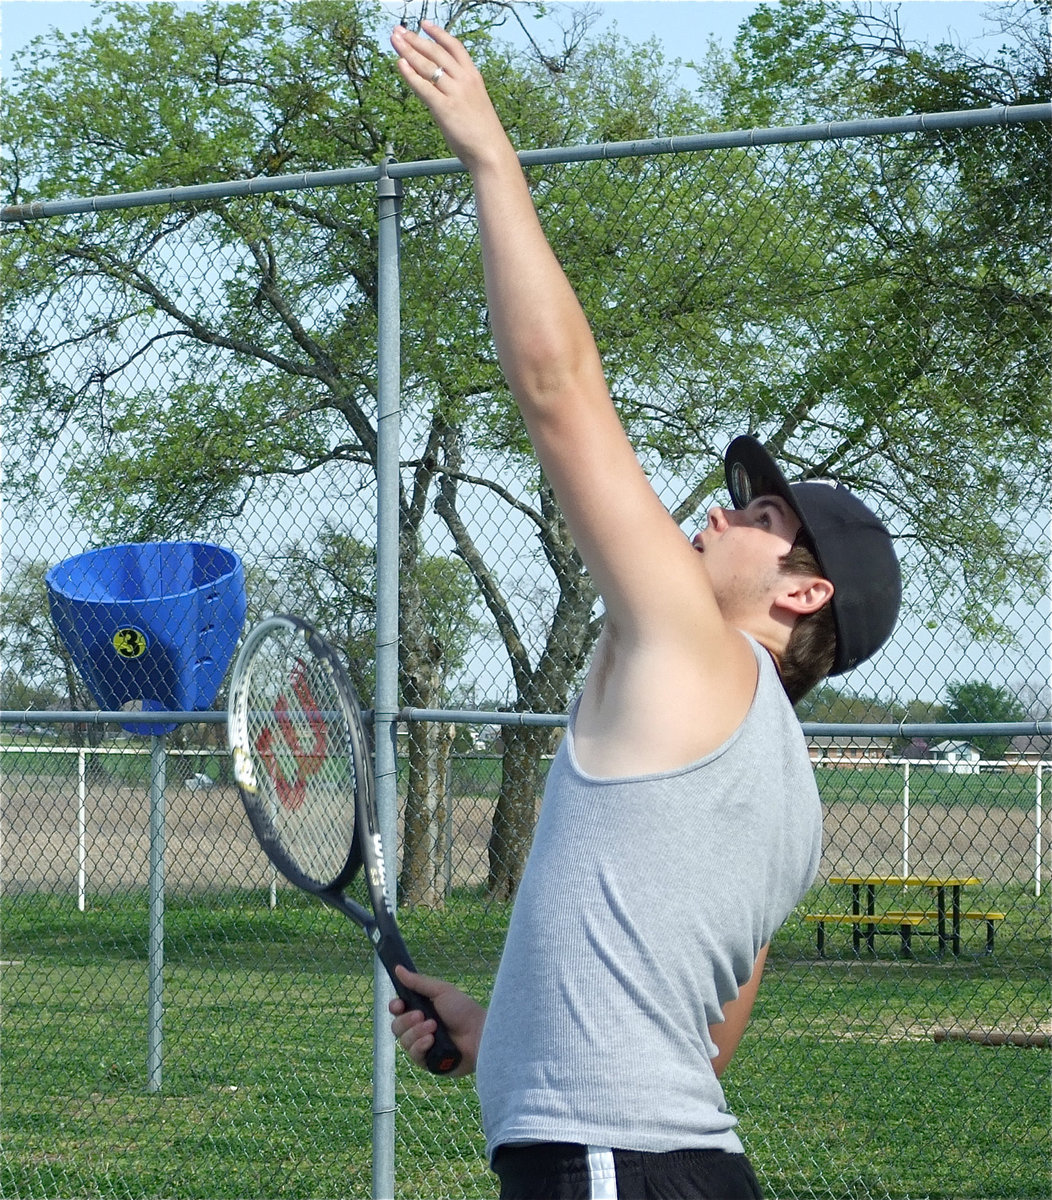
[681, 822]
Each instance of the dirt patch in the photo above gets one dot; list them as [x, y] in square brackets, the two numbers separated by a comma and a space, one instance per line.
[993, 844]
[209, 845]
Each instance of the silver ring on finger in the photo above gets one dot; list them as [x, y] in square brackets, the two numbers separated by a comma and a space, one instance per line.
[437, 74]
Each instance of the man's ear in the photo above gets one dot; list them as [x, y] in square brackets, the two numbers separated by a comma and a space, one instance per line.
[804, 594]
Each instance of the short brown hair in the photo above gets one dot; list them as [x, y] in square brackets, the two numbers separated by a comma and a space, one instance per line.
[808, 657]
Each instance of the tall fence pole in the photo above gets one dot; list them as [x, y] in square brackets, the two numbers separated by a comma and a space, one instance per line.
[388, 450]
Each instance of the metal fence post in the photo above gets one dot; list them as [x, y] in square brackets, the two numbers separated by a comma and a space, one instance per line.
[385, 706]
[906, 818]
[155, 1001]
[1037, 830]
[82, 831]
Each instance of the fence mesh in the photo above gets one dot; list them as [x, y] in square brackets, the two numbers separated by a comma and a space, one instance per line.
[205, 374]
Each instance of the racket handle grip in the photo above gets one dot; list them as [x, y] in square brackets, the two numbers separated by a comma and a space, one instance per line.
[443, 1056]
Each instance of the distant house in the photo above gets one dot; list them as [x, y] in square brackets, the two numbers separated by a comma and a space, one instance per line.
[955, 758]
[834, 750]
[1029, 749]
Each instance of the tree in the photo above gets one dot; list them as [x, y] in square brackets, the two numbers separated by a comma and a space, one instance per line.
[30, 646]
[225, 92]
[950, 253]
[856, 307]
[977, 700]
[278, 369]
[826, 704]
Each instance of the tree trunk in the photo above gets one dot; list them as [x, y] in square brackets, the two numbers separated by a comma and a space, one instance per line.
[517, 805]
[420, 881]
[424, 840]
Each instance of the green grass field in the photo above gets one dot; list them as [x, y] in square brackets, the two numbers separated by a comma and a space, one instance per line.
[841, 1090]
[884, 785]
[875, 785]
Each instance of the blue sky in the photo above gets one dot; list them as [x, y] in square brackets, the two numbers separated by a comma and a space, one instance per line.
[683, 26]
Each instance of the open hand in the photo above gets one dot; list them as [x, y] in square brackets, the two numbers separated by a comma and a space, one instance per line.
[440, 72]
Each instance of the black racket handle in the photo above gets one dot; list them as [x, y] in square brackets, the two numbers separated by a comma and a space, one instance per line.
[443, 1056]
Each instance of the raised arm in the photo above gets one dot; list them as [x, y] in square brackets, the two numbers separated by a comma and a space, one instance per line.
[672, 676]
[546, 347]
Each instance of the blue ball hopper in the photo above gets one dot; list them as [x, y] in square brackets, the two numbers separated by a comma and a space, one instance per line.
[152, 621]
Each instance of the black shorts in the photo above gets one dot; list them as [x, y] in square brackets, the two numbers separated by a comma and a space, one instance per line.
[564, 1171]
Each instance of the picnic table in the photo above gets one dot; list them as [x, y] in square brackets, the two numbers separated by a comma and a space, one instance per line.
[866, 921]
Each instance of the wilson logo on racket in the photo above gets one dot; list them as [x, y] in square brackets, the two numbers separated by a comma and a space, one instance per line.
[378, 874]
[292, 792]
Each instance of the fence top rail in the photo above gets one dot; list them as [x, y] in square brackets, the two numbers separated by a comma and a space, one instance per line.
[130, 750]
[470, 716]
[693, 143]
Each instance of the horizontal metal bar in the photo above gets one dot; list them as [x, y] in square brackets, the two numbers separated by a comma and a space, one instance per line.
[470, 716]
[811, 728]
[780, 135]
[191, 194]
[467, 716]
[94, 717]
[127, 751]
[917, 729]
[694, 143]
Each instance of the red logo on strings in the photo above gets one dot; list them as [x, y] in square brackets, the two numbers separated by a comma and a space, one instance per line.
[292, 792]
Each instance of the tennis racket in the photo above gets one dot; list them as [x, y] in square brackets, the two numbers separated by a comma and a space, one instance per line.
[302, 765]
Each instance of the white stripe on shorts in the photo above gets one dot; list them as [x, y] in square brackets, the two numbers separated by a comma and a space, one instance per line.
[602, 1174]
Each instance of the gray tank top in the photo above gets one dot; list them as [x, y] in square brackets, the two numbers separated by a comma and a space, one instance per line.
[642, 907]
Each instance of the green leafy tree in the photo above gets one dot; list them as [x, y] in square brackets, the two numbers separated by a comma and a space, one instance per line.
[273, 366]
[33, 654]
[827, 704]
[935, 343]
[272, 377]
[856, 307]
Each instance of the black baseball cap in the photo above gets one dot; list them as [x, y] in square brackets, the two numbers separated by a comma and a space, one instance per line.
[852, 546]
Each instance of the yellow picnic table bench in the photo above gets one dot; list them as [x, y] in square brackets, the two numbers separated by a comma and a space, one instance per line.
[866, 921]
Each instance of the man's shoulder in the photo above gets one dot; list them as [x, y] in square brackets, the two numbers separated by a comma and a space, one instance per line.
[661, 705]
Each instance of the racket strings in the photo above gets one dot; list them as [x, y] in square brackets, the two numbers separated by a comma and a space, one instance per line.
[298, 738]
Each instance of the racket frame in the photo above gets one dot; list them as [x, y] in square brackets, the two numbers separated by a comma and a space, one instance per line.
[366, 850]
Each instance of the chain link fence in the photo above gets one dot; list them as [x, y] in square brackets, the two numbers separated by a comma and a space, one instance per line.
[204, 371]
